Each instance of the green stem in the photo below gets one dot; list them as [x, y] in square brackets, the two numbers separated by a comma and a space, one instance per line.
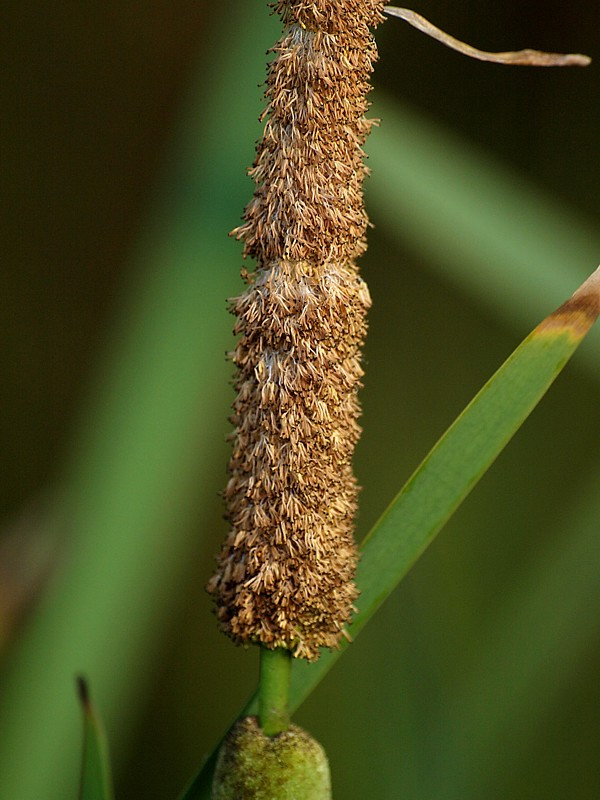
[273, 692]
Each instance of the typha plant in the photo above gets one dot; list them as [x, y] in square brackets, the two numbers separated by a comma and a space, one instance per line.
[285, 576]
[290, 581]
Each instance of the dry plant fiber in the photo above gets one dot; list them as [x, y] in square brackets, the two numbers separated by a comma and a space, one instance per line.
[284, 577]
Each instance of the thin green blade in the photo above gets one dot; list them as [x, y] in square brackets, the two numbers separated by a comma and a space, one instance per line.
[446, 476]
[96, 781]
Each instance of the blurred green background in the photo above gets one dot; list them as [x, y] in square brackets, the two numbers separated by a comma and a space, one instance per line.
[125, 133]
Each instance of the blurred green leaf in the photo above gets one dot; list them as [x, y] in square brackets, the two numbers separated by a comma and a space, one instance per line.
[142, 464]
[96, 781]
[479, 225]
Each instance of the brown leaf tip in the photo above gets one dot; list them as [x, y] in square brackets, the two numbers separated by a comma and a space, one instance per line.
[580, 311]
[590, 287]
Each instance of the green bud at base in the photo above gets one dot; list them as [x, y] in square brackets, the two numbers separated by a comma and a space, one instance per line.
[253, 766]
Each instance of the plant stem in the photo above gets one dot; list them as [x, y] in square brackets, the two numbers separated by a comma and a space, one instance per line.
[273, 692]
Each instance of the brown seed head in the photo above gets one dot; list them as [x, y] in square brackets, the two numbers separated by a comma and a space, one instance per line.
[308, 203]
[285, 573]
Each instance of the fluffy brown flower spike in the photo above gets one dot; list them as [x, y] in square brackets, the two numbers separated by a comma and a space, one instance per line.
[285, 573]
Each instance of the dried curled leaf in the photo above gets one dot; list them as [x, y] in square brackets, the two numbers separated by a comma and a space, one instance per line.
[527, 58]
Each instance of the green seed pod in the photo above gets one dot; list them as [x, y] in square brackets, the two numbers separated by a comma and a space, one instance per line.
[253, 766]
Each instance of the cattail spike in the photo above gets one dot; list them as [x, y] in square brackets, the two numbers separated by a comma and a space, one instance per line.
[308, 203]
[285, 574]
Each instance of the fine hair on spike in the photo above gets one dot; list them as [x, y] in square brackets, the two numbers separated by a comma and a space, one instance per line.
[285, 574]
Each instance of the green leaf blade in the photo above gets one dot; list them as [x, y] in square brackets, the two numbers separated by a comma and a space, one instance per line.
[454, 466]
[96, 780]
